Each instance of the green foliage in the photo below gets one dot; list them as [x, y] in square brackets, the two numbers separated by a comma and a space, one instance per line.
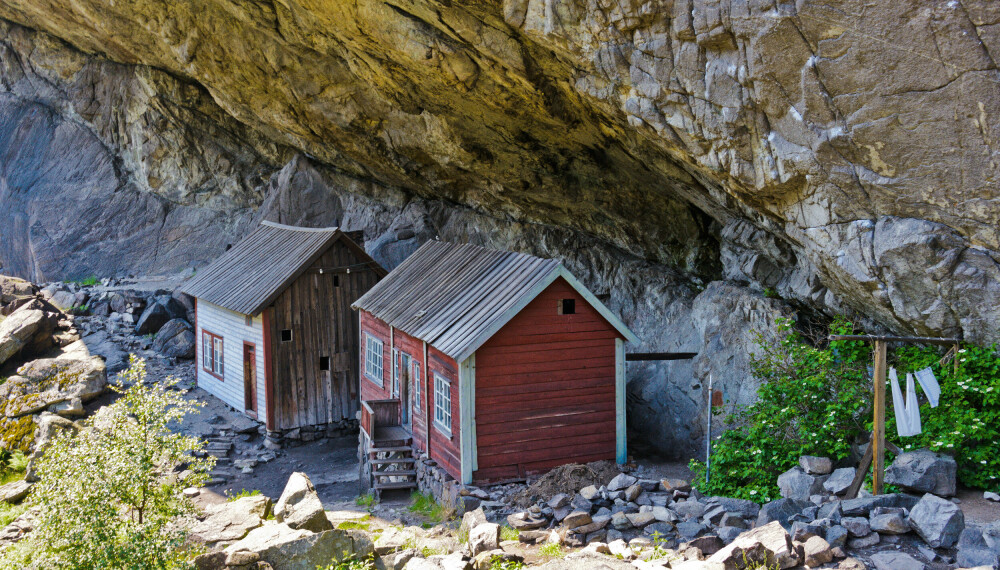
[427, 551]
[242, 493]
[367, 500]
[812, 401]
[552, 550]
[352, 562]
[424, 504]
[817, 401]
[356, 524]
[12, 468]
[88, 281]
[771, 293]
[509, 533]
[108, 496]
[501, 563]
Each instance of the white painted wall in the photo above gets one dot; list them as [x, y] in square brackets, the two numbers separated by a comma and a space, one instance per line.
[232, 327]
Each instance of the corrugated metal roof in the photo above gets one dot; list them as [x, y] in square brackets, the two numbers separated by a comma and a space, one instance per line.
[249, 276]
[456, 296]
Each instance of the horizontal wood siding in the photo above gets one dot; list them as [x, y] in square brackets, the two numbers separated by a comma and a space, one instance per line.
[316, 307]
[232, 327]
[443, 449]
[545, 389]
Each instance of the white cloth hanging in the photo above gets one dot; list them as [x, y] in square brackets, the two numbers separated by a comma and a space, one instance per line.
[930, 385]
[907, 411]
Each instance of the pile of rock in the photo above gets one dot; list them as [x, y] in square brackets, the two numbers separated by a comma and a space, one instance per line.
[241, 534]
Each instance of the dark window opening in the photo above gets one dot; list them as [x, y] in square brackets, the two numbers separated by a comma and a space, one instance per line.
[324, 362]
[567, 306]
[249, 321]
[336, 280]
[286, 335]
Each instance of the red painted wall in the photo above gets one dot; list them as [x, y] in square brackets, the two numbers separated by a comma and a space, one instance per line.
[545, 389]
[443, 449]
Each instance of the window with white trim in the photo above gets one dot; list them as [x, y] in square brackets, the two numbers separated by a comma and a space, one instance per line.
[416, 386]
[442, 403]
[211, 353]
[373, 359]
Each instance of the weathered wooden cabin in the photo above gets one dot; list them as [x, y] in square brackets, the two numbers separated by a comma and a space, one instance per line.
[495, 364]
[277, 336]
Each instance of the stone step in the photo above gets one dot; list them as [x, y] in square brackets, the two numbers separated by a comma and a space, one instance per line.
[220, 473]
[214, 481]
[400, 485]
[390, 449]
[392, 460]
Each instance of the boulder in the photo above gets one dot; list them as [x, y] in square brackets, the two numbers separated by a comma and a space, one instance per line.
[590, 492]
[671, 485]
[621, 482]
[285, 548]
[175, 309]
[526, 521]
[862, 506]
[856, 526]
[797, 484]
[13, 288]
[299, 506]
[175, 339]
[816, 551]
[840, 480]
[232, 520]
[815, 465]
[14, 492]
[780, 511]
[973, 550]
[46, 426]
[742, 507]
[19, 330]
[576, 519]
[152, 319]
[471, 520]
[689, 508]
[924, 471]
[896, 561]
[484, 537]
[938, 521]
[44, 382]
[889, 523]
[836, 536]
[767, 546]
[63, 300]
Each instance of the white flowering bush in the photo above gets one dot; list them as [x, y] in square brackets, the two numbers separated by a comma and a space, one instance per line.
[111, 496]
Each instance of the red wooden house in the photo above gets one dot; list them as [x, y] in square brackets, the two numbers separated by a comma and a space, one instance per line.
[496, 364]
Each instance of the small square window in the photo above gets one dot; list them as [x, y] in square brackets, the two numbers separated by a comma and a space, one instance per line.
[336, 280]
[567, 306]
[324, 362]
[249, 321]
[286, 335]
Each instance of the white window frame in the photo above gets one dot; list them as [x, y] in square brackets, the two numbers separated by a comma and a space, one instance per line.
[374, 360]
[213, 354]
[442, 396]
[394, 390]
[416, 385]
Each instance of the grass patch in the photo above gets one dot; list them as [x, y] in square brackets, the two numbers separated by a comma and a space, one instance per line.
[243, 493]
[552, 550]
[509, 533]
[427, 551]
[10, 512]
[425, 505]
[87, 281]
[501, 563]
[367, 500]
[352, 563]
[356, 524]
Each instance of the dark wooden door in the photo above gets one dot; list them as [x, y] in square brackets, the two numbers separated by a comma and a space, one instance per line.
[250, 377]
[404, 390]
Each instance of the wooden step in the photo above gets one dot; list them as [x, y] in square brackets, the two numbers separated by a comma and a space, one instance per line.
[402, 485]
[393, 460]
[390, 449]
[394, 473]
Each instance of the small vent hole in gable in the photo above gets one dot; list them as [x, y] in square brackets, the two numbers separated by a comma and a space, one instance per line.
[567, 306]
[286, 335]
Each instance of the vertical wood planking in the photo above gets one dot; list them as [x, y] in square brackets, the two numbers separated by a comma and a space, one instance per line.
[878, 435]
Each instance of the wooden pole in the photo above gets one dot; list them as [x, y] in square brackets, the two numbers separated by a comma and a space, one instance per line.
[878, 430]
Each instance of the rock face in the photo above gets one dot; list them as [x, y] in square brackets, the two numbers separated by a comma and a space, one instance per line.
[670, 151]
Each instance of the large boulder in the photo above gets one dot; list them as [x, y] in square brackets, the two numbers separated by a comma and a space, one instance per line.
[797, 484]
[20, 329]
[14, 492]
[175, 339]
[840, 480]
[232, 520]
[45, 382]
[299, 506]
[896, 561]
[780, 511]
[924, 471]
[154, 317]
[938, 521]
[174, 307]
[768, 546]
[974, 551]
[483, 538]
[285, 548]
[12, 289]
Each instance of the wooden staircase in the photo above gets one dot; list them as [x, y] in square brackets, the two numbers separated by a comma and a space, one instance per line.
[390, 446]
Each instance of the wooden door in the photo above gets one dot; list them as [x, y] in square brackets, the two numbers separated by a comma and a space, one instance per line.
[250, 377]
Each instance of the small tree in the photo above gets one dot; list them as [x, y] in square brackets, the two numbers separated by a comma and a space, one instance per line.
[111, 496]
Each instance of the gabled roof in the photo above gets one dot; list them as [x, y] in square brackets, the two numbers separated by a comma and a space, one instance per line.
[455, 297]
[255, 271]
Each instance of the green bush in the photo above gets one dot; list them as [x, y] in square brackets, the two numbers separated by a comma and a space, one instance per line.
[817, 401]
[109, 497]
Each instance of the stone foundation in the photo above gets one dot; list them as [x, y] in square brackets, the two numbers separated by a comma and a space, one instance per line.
[297, 436]
[436, 482]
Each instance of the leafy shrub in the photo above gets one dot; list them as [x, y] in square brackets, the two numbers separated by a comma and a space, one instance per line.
[108, 496]
[367, 500]
[818, 401]
[501, 563]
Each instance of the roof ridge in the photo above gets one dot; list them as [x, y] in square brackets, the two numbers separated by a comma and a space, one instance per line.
[269, 223]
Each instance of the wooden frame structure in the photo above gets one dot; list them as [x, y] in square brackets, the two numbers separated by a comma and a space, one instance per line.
[875, 456]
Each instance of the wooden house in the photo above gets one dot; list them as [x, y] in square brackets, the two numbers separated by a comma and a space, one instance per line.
[495, 364]
[276, 334]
